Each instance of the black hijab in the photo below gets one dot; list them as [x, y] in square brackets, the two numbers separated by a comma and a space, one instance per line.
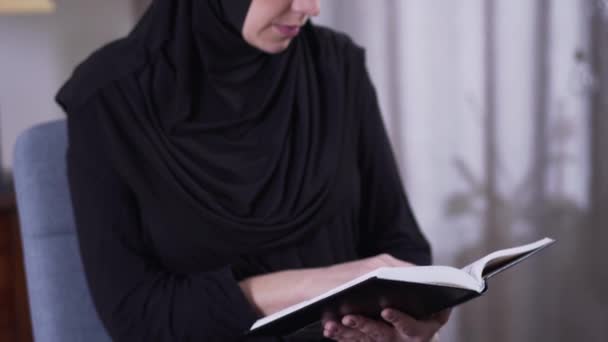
[249, 141]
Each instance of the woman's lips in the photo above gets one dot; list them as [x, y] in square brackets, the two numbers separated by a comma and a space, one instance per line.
[287, 30]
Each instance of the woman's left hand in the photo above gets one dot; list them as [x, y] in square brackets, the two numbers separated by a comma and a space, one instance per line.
[396, 327]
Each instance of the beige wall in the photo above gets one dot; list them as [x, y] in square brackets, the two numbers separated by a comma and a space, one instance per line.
[38, 52]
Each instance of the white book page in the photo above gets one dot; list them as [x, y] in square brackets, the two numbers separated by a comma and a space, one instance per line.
[434, 275]
[476, 268]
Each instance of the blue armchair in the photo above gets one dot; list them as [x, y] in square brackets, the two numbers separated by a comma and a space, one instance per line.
[60, 304]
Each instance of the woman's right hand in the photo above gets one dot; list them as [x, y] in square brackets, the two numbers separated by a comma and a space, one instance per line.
[268, 294]
[384, 260]
[350, 270]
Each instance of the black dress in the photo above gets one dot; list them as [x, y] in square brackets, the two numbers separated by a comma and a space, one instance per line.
[150, 278]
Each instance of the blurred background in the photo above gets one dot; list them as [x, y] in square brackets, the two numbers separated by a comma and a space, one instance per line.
[497, 112]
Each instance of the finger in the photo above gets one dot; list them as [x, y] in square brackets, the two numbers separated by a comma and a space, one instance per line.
[348, 334]
[408, 326]
[375, 330]
[339, 332]
[391, 261]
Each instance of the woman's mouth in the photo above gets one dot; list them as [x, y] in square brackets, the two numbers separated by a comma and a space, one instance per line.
[287, 30]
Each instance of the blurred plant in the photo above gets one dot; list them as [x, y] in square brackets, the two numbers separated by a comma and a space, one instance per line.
[582, 81]
[597, 7]
[519, 204]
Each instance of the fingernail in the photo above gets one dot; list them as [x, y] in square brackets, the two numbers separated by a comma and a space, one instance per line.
[350, 322]
[389, 315]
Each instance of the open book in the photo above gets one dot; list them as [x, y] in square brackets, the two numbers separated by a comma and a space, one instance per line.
[418, 291]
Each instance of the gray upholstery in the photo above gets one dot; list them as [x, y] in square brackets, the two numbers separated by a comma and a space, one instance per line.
[60, 303]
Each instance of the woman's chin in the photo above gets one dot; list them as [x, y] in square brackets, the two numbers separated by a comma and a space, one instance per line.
[275, 47]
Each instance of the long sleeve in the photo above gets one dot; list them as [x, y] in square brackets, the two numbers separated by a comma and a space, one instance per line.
[387, 221]
[136, 298]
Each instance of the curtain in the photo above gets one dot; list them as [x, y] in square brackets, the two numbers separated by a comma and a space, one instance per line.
[496, 110]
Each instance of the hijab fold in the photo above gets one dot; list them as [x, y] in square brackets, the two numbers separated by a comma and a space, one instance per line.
[248, 142]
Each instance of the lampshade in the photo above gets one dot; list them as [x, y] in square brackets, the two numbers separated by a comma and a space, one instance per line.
[26, 6]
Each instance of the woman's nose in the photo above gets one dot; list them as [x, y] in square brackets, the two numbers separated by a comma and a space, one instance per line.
[311, 8]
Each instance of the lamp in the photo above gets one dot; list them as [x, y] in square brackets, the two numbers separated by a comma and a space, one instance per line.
[26, 6]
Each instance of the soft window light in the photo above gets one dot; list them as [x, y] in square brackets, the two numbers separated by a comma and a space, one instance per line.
[26, 6]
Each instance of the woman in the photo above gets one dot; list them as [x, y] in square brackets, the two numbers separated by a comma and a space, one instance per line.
[227, 159]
